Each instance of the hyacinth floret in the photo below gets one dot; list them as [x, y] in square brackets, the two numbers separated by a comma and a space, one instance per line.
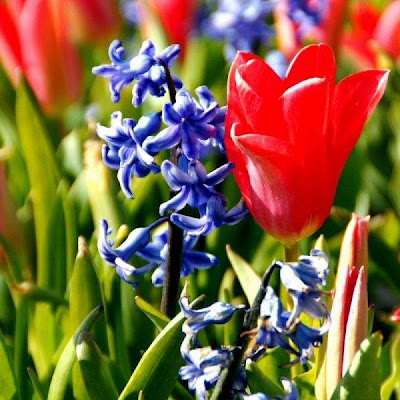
[187, 124]
[124, 150]
[194, 186]
[147, 68]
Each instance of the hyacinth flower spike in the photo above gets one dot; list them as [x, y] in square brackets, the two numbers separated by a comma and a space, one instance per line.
[146, 67]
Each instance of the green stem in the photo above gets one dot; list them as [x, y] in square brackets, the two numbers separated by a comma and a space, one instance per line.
[292, 253]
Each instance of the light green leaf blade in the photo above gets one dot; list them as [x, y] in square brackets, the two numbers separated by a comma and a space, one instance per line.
[159, 319]
[96, 377]
[157, 371]
[248, 279]
[61, 374]
[258, 382]
[361, 381]
[8, 381]
[394, 379]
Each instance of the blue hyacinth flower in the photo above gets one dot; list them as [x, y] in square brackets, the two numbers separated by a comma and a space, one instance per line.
[194, 186]
[146, 67]
[196, 320]
[156, 253]
[306, 14]
[241, 23]
[124, 150]
[302, 279]
[212, 216]
[275, 329]
[118, 257]
[188, 124]
[206, 100]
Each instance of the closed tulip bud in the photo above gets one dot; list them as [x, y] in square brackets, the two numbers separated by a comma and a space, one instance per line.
[354, 249]
[349, 324]
[34, 41]
[290, 138]
[93, 21]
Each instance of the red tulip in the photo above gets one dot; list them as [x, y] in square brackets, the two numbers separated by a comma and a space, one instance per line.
[33, 39]
[290, 138]
[373, 31]
[177, 17]
[93, 21]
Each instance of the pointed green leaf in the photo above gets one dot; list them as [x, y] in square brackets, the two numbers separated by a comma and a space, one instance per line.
[258, 382]
[157, 372]
[61, 374]
[8, 381]
[96, 377]
[248, 279]
[361, 381]
[390, 383]
[36, 384]
[159, 319]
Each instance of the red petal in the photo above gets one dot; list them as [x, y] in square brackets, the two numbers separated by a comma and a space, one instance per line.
[314, 61]
[10, 48]
[354, 100]
[259, 97]
[387, 32]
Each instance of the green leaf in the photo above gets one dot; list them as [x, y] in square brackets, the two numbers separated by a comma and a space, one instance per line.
[390, 383]
[36, 384]
[159, 319]
[98, 381]
[157, 372]
[258, 382]
[248, 279]
[37, 294]
[8, 381]
[361, 381]
[43, 173]
[61, 374]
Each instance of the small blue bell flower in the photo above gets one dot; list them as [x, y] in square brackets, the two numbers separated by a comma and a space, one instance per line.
[194, 186]
[124, 150]
[187, 124]
[146, 68]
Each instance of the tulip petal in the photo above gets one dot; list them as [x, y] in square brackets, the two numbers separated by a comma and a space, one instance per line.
[259, 97]
[357, 321]
[313, 61]
[354, 100]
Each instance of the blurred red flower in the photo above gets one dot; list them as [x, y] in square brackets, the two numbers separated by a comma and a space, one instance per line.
[396, 315]
[290, 138]
[34, 42]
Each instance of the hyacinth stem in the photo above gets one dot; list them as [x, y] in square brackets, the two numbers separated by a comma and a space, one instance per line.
[175, 235]
[225, 382]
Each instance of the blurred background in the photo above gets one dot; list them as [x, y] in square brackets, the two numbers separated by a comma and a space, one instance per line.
[54, 187]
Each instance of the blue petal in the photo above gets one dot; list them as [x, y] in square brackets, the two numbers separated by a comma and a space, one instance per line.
[199, 260]
[166, 139]
[147, 125]
[218, 175]
[174, 176]
[170, 116]
[177, 202]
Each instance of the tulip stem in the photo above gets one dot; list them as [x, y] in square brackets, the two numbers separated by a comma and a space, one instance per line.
[175, 235]
[225, 382]
[292, 252]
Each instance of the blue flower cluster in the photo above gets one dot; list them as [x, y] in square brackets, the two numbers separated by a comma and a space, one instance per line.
[203, 364]
[277, 328]
[191, 127]
[302, 279]
[241, 24]
[306, 14]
